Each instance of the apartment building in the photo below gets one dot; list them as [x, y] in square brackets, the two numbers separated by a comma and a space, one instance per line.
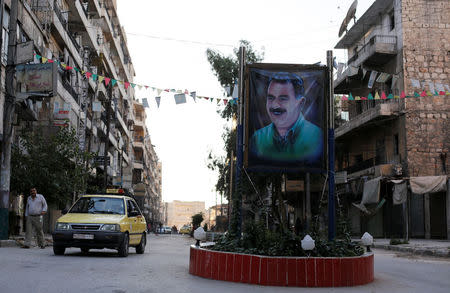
[86, 43]
[217, 217]
[397, 48]
[180, 213]
[146, 172]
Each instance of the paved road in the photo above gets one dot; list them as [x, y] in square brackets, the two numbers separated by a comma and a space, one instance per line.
[164, 268]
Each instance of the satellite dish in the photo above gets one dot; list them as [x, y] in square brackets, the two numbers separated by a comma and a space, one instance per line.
[350, 14]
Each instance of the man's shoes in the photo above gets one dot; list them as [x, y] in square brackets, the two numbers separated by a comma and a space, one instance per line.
[42, 246]
[25, 246]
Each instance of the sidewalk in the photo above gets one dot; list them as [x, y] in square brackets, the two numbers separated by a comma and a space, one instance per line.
[18, 240]
[427, 247]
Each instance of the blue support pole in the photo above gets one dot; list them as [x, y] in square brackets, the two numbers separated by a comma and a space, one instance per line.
[239, 164]
[331, 202]
[331, 151]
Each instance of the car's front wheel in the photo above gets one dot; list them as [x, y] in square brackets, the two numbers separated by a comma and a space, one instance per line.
[124, 247]
[140, 249]
[59, 250]
[84, 249]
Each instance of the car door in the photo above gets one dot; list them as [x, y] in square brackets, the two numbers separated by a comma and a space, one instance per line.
[134, 216]
[141, 225]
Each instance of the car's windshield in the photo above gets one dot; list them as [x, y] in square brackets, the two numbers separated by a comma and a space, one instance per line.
[99, 205]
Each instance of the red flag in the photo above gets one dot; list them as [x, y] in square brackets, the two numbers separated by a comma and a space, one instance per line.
[50, 61]
[364, 98]
[69, 67]
[383, 96]
[423, 94]
[402, 95]
[146, 86]
[88, 74]
[225, 102]
[127, 84]
[442, 93]
[344, 98]
[107, 80]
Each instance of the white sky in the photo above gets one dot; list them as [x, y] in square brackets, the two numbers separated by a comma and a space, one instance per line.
[289, 31]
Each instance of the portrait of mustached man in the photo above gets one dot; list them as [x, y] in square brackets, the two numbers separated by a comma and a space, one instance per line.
[290, 137]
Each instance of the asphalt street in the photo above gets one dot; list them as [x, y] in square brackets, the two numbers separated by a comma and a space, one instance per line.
[164, 268]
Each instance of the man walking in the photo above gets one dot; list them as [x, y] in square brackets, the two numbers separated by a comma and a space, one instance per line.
[36, 207]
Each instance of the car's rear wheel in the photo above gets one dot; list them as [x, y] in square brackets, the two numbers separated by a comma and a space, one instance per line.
[124, 247]
[84, 249]
[140, 249]
[59, 250]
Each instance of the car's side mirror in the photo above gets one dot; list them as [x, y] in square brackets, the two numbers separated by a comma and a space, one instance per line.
[64, 211]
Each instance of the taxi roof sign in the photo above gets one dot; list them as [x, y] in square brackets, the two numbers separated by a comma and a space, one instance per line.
[115, 191]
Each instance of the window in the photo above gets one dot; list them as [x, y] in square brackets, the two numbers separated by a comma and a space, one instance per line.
[396, 151]
[392, 20]
[5, 36]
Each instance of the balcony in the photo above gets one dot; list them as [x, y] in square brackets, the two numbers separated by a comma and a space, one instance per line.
[138, 164]
[69, 88]
[378, 51]
[138, 123]
[369, 167]
[138, 142]
[381, 112]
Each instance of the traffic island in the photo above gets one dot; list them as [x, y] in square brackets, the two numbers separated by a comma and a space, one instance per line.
[282, 271]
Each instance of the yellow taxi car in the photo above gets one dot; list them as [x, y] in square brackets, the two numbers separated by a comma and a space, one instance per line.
[101, 221]
[186, 229]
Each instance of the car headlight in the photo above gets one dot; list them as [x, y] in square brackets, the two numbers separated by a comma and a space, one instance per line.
[110, 227]
[62, 226]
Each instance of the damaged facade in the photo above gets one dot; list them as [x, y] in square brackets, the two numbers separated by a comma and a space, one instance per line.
[396, 140]
[86, 35]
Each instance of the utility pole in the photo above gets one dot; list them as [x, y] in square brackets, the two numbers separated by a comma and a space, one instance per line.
[9, 111]
[237, 202]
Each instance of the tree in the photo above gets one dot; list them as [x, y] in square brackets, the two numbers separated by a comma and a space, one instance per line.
[197, 220]
[51, 162]
[226, 68]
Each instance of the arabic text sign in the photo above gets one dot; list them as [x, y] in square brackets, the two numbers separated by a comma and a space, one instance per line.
[37, 77]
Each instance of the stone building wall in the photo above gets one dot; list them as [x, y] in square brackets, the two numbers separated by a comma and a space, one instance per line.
[426, 57]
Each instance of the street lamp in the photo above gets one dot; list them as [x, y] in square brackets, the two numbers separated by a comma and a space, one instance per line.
[367, 240]
[308, 244]
[199, 235]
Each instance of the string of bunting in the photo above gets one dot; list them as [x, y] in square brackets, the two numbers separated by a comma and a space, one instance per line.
[391, 96]
[382, 77]
[179, 95]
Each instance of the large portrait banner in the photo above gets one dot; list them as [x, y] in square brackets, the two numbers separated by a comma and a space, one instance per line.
[285, 110]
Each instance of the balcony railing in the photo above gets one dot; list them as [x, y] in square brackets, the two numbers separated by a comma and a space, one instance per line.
[60, 16]
[382, 43]
[69, 88]
[360, 166]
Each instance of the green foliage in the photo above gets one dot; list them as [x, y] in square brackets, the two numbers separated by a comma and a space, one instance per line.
[53, 163]
[257, 240]
[197, 219]
[226, 68]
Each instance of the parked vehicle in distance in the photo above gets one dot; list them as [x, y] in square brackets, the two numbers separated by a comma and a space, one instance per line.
[186, 229]
[165, 230]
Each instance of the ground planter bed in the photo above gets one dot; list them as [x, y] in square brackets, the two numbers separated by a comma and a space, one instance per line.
[281, 271]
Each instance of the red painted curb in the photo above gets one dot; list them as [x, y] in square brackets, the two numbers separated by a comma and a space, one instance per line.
[282, 271]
